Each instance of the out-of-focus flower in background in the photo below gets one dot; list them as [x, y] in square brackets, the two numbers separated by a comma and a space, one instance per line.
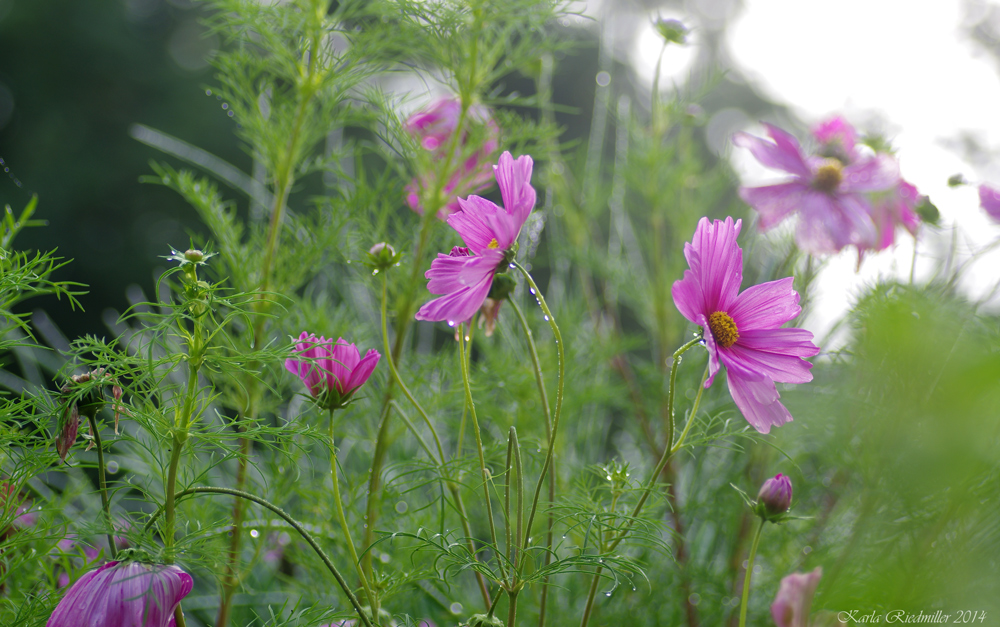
[434, 128]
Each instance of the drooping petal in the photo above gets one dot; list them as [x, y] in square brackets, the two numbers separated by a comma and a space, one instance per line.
[989, 200]
[757, 401]
[363, 370]
[472, 275]
[765, 306]
[775, 364]
[877, 174]
[783, 154]
[829, 223]
[514, 179]
[774, 203]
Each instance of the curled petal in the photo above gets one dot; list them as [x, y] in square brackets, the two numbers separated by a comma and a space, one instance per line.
[363, 370]
[514, 179]
[765, 306]
[470, 276]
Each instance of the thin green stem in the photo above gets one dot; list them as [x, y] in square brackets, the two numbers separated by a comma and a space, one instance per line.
[655, 95]
[746, 576]
[413, 429]
[694, 410]
[560, 384]
[479, 446]
[103, 484]
[339, 506]
[452, 486]
[292, 522]
[651, 482]
[169, 514]
[512, 609]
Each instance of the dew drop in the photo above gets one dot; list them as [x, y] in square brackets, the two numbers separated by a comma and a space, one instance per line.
[112, 467]
[451, 323]
[225, 105]
[254, 533]
[455, 608]
[230, 114]
[401, 508]
[607, 594]
[208, 92]
[384, 558]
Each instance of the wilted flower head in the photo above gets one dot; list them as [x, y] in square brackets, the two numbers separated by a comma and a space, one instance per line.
[792, 605]
[989, 200]
[123, 594]
[434, 128]
[332, 372]
[775, 497]
[743, 331]
[465, 275]
[830, 196]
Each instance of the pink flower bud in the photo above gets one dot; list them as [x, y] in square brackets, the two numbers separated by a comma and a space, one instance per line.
[69, 424]
[775, 497]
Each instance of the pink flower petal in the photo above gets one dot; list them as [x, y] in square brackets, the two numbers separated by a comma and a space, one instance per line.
[758, 402]
[363, 370]
[343, 359]
[989, 200]
[793, 603]
[783, 154]
[774, 203]
[514, 181]
[473, 274]
[877, 174]
[765, 306]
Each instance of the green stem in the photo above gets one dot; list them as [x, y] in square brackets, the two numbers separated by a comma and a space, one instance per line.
[452, 486]
[292, 522]
[169, 514]
[479, 446]
[667, 453]
[339, 506]
[655, 95]
[560, 383]
[102, 482]
[512, 609]
[746, 576]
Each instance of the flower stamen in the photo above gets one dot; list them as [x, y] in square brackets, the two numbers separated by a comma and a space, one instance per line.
[828, 176]
[723, 329]
[493, 243]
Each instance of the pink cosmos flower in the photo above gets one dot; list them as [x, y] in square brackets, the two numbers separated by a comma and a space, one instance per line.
[898, 208]
[743, 331]
[829, 195]
[123, 594]
[465, 275]
[989, 200]
[792, 605]
[331, 372]
[434, 128]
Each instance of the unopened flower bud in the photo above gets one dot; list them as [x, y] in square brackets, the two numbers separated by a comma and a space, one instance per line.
[672, 31]
[69, 425]
[382, 256]
[956, 180]
[194, 255]
[775, 497]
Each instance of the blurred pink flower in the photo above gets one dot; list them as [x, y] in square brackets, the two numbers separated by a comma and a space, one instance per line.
[792, 605]
[123, 594]
[989, 200]
[331, 372]
[434, 128]
[465, 275]
[743, 331]
[829, 195]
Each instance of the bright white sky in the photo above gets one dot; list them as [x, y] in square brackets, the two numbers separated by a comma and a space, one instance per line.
[903, 65]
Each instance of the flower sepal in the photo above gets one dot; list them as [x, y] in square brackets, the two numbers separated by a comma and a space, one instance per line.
[332, 399]
[484, 620]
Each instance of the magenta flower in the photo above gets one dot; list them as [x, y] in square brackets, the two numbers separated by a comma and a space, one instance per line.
[331, 372]
[792, 605]
[434, 128]
[898, 208]
[829, 195]
[989, 200]
[837, 138]
[743, 331]
[465, 275]
[123, 594]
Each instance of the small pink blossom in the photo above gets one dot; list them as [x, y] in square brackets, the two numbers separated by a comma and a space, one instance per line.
[989, 200]
[434, 128]
[332, 372]
[830, 196]
[743, 331]
[123, 594]
[465, 275]
[794, 601]
[775, 496]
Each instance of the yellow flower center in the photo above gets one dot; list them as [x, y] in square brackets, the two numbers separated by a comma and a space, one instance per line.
[493, 243]
[828, 176]
[723, 329]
